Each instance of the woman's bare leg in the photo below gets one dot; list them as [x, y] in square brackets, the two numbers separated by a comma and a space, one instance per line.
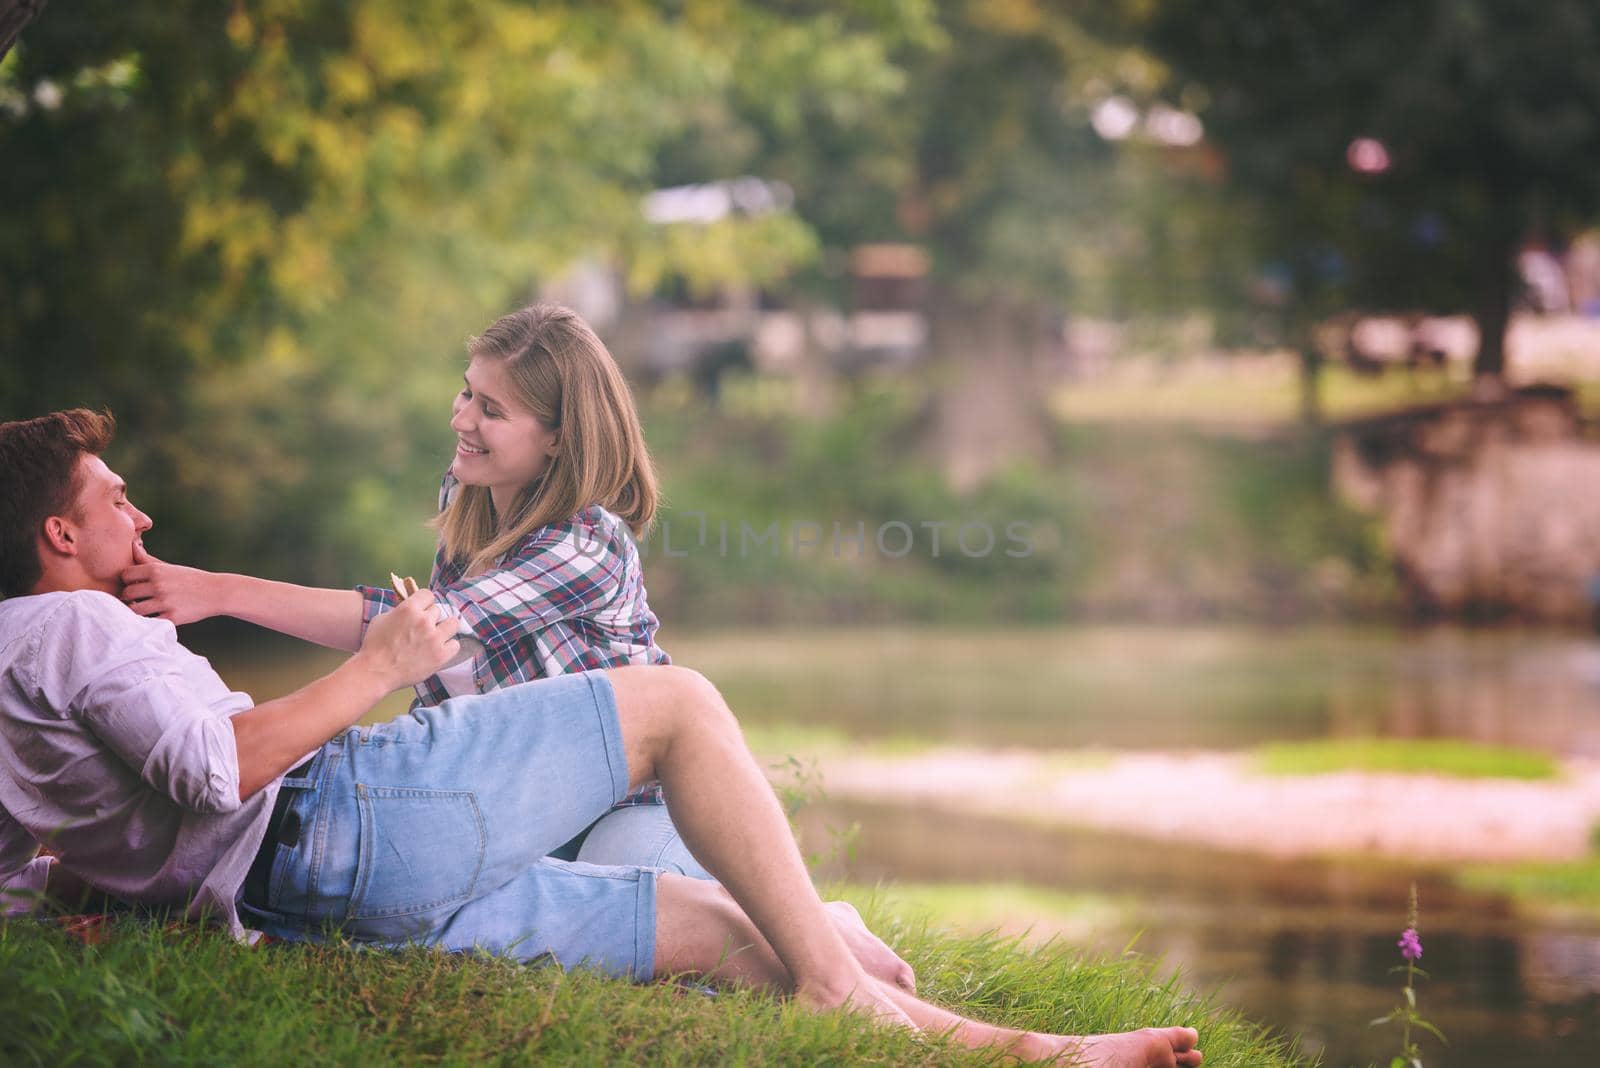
[701, 931]
[1152, 1046]
[702, 925]
[676, 728]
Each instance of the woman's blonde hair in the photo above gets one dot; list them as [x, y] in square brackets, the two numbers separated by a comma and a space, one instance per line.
[561, 372]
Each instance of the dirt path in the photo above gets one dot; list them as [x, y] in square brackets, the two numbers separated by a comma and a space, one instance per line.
[1217, 799]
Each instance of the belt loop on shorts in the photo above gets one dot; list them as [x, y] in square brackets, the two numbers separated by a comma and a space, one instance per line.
[302, 777]
[283, 828]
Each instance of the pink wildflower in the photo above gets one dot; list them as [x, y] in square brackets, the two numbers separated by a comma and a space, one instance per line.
[1410, 945]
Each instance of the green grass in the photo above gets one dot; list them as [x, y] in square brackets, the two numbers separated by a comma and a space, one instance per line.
[195, 998]
[1248, 395]
[805, 740]
[1036, 913]
[1559, 886]
[1436, 756]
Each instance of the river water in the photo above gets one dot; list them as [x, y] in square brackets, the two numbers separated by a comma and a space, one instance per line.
[1303, 946]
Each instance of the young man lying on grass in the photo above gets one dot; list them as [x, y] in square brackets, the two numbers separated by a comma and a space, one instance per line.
[152, 783]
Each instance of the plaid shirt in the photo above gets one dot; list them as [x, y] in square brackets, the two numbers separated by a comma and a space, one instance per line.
[568, 597]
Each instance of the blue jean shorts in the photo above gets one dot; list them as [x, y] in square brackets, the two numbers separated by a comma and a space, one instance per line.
[435, 829]
[639, 834]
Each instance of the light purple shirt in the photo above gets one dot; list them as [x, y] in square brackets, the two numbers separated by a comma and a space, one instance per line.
[116, 751]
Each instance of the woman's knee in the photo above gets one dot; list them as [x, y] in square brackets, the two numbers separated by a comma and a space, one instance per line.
[659, 706]
[700, 699]
[667, 698]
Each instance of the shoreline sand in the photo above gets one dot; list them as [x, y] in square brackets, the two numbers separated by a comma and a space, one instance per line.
[1218, 799]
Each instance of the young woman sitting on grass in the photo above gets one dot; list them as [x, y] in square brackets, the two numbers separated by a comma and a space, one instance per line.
[550, 476]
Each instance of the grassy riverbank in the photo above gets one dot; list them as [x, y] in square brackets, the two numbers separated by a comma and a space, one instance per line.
[196, 998]
[1127, 521]
[1406, 756]
[1569, 887]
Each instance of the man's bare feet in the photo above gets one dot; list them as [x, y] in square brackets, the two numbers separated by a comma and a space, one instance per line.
[1152, 1047]
[878, 959]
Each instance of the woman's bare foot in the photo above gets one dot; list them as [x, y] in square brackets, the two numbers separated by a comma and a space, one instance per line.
[1152, 1047]
[878, 959]
[1156, 1047]
[864, 994]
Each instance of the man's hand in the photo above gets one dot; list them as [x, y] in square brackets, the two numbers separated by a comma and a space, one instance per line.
[402, 647]
[153, 587]
[410, 642]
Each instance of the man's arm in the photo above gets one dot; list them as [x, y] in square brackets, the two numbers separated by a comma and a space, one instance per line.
[401, 647]
[135, 698]
[326, 617]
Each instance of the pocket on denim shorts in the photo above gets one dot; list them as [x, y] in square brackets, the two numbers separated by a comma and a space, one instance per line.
[420, 850]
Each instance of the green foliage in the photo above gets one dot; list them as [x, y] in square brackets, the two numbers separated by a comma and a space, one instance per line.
[197, 998]
[989, 161]
[1488, 110]
[1134, 521]
[1430, 756]
[798, 784]
[260, 233]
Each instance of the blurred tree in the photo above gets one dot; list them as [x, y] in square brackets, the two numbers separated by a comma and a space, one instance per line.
[260, 231]
[1394, 156]
[987, 160]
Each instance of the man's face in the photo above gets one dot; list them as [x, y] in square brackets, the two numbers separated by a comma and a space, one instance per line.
[105, 525]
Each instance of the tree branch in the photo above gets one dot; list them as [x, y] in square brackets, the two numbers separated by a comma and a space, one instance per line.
[14, 15]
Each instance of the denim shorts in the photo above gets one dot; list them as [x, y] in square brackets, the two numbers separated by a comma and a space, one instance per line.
[639, 834]
[434, 829]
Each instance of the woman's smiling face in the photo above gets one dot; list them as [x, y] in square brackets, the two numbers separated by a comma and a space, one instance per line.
[499, 443]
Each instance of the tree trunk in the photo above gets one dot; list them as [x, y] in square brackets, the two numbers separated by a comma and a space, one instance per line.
[1493, 313]
[14, 15]
[989, 409]
[1310, 386]
[1303, 339]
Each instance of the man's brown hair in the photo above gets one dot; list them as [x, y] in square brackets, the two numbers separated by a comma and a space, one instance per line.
[39, 479]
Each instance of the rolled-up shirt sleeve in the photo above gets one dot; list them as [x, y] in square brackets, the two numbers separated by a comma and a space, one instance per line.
[375, 600]
[23, 872]
[154, 722]
[141, 707]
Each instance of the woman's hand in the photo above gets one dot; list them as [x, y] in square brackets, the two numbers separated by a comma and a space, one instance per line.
[153, 587]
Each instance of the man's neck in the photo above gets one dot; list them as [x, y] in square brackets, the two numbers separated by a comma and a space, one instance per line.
[61, 580]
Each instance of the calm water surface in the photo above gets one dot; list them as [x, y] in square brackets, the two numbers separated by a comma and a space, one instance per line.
[1144, 687]
[1303, 946]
